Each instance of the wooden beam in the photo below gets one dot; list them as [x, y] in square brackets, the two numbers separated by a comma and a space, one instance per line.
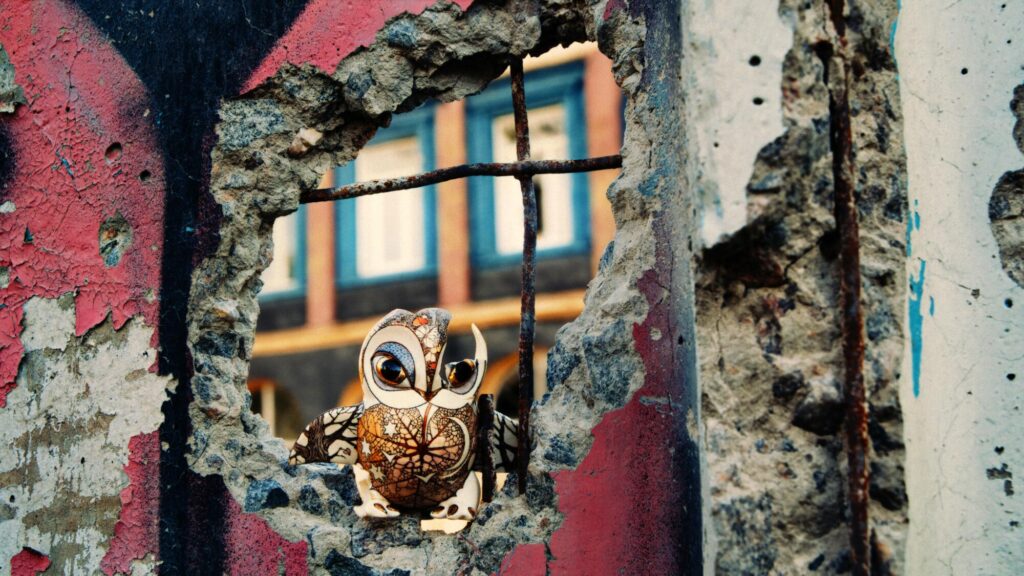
[551, 307]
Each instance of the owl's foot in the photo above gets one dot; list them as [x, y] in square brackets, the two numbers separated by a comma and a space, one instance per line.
[463, 505]
[375, 506]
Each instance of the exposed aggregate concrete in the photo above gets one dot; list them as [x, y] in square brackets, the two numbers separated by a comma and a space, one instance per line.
[1006, 207]
[769, 317]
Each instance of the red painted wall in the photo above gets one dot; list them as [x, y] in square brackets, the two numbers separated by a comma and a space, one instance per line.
[83, 99]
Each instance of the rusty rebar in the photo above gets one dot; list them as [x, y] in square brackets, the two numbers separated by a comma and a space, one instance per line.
[484, 430]
[844, 177]
[527, 319]
[517, 169]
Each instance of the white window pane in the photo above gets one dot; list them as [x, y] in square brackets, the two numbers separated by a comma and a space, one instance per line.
[390, 228]
[282, 274]
[548, 141]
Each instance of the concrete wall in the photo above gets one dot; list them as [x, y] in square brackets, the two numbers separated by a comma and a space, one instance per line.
[764, 76]
[142, 157]
[936, 115]
[961, 68]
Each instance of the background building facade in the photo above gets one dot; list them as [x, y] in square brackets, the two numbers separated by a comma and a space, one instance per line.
[459, 249]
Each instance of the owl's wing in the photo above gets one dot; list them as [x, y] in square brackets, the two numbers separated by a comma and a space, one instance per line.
[503, 443]
[330, 437]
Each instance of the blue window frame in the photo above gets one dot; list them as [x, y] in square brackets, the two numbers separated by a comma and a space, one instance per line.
[419, 124]
[561, 85]
[295, 262]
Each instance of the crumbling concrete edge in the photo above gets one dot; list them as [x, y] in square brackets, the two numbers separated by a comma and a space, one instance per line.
[594, 368]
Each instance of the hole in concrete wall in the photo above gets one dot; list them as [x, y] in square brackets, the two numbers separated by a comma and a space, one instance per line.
[145, 175]
[115, 236]
[113, 152]
[390, 250]
[444, 55]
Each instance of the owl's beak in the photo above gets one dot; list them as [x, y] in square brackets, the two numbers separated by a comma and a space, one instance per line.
[434, 385]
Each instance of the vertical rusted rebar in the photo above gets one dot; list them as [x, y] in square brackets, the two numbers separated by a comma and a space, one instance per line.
[853, 336]
[484, 430]
[526, 321]
[844, 176]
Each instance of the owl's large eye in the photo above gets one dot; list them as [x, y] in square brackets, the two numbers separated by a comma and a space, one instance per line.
[389, 369]
[461, 373]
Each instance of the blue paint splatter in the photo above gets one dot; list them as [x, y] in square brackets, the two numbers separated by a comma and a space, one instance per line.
[910, 228]
[913, 223]
[65, 163]
[916, 319]
[931, 306]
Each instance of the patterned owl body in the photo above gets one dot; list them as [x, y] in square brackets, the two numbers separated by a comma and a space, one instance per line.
[412, 440]
[417, 457]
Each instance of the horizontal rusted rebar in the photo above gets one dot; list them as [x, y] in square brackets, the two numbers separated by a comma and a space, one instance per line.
[522, 168]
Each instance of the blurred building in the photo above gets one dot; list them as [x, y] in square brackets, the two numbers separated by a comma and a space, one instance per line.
[339, 266]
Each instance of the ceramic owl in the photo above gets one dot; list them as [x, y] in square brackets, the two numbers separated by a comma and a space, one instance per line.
[412, 441]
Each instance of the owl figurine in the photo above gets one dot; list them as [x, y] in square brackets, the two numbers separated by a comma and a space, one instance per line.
[412, 441]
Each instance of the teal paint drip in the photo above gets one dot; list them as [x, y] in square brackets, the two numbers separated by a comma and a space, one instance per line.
[892, 31]
[916, 319]
[913, 223]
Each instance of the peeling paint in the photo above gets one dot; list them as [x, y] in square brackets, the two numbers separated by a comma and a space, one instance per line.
[396, 72]
[913, 223]
[136, 531]
[11, 94]
[76, 111]
[28, 562]
[81, 401]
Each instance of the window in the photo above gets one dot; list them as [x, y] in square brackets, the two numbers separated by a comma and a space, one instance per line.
[277, 406]
[557, 131]
[286, 275]
[389, 237]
